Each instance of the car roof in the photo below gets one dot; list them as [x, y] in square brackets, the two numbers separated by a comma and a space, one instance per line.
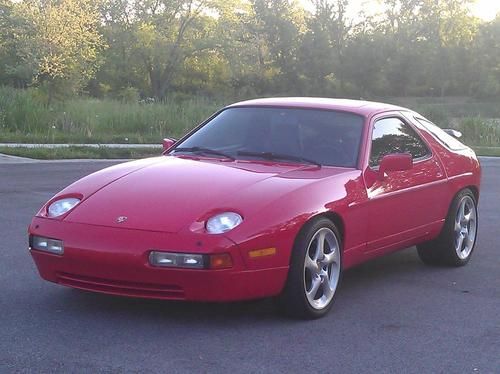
[362, 107]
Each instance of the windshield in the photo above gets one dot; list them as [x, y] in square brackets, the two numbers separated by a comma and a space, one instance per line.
[322, 137]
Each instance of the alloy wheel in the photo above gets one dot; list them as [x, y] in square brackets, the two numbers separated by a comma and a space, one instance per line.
[465, 227]
[322, 268]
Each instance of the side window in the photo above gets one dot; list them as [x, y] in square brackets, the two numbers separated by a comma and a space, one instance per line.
[391, 135]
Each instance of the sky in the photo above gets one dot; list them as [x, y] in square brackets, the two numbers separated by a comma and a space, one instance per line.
[484, 9]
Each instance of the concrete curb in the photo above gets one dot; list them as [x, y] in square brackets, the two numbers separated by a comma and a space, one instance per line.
[7, 159]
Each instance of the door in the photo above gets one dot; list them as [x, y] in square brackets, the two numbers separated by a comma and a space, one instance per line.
[400, 204]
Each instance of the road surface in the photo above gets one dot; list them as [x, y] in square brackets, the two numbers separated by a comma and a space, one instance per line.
[392, 315]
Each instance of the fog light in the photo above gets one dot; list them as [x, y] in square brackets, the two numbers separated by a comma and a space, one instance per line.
[180, 260]
[46, 244]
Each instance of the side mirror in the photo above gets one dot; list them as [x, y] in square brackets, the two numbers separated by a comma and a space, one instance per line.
[395, 162]
[455, 133]
[168, 143]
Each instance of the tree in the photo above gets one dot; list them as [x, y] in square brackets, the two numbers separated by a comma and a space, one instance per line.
[449, 29]
[122, 67]
[364, 62]
[246, 48]
[166, 32]
[485, 74]
[403, 38]
[280, 23]
[13, 71]
[323, 46]
[60, 39]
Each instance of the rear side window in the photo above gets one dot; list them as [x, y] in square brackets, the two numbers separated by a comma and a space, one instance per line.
[392, 135]
[446, 139]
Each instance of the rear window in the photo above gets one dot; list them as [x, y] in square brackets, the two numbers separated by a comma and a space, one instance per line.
[446, 139]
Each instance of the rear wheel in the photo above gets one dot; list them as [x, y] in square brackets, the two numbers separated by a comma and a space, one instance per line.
[315, 271]
[455, 244]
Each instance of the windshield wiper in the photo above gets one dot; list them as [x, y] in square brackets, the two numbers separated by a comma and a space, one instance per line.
[278, 156]
[203, 150]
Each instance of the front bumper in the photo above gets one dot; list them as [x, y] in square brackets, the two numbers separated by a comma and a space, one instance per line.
[115, 261]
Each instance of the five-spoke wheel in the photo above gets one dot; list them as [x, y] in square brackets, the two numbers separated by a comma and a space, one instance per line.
[322, 268]
[456, 242]
[465, 227]
[315, 270]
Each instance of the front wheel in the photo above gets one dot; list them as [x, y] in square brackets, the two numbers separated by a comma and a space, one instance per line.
[456, 242]
[315, 271]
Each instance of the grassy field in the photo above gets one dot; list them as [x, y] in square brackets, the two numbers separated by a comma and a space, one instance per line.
[24, 118]
[487, 151]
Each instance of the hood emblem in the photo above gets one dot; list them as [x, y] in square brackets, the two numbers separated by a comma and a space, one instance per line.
[121, 219]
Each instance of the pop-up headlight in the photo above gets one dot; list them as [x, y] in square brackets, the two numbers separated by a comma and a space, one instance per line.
[61, 206]
[223, 222]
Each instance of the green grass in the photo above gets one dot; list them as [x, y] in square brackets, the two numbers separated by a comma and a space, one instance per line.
[24, 118]
[480, 132]
[445, 108]
[81, 152]
[479, 121]
[487, 151]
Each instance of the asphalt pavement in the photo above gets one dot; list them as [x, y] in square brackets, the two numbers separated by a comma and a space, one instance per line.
[392, 315]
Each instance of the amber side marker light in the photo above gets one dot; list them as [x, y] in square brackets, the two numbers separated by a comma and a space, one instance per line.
[220, 261]
[262, 252]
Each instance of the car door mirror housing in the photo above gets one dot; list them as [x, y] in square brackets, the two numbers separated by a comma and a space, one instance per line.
[395, 162]
[168, 143]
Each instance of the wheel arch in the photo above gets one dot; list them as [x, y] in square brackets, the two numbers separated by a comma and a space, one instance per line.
[337, 221]
[334, 217]
[475, 192]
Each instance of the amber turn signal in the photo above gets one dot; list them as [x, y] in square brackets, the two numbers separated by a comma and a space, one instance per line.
[221, 261]
[262, 252]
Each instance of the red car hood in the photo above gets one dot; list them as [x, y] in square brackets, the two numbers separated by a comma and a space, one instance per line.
[171, 193]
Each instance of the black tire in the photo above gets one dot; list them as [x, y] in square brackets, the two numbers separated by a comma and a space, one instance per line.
[443, 250]
[293, 301]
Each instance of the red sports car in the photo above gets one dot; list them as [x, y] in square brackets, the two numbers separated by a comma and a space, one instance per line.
[268, 197]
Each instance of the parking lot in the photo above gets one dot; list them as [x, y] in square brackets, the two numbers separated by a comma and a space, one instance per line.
[391, 315]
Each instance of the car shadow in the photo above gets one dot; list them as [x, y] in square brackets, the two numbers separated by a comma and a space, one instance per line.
[382, 268]
[181, 311]
[362, 278]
